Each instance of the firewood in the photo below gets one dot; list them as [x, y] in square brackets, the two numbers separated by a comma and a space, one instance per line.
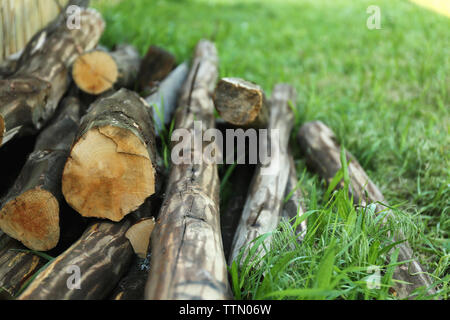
[322, 151]
[100, 257]
[156, 65]
[295, 205]
[30, 96]
[98, 71]
[164, 99]
[187, 255]
[16, 266]
[139, 236]
[111, 168]
[31, 209]
[241, 102]
[262, 211]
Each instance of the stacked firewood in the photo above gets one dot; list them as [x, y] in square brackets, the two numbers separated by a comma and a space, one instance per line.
[78, 218]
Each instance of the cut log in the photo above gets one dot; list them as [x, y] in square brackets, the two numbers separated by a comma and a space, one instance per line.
[164, 100]
[139, 236]
[98, 71]
[31, 209]
[229, 219]
[294, 205]
[156, 65]
[100, 257]
[262, 211]
[30, 96]
[241, 102]
[111, 168]
[16, 267]
[187, 254]
[322, 152]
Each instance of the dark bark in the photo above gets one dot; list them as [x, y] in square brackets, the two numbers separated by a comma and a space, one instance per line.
[112, 165]
[262, 211]
[102, 255]
[31, 210]
[30, 96]
[156, 65]
[322, 152]
[187, 254]
[16, 267]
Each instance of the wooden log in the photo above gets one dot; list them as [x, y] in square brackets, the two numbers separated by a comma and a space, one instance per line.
[16, 267]
[322, 152]
[262, 211]
[98, 71]
[294, 205]
[187, 254]
[30, 96]
[241, 103]
[111, 168]
[100, 257]
[156, 65]
[31, 209]
[164, 99]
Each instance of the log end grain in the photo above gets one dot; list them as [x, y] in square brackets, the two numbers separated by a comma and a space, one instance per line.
[139, 236]
[95, 72]
[108, 174]
[238, 101]
[33, 219]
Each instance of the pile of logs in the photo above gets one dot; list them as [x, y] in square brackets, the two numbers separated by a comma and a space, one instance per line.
[77, 216]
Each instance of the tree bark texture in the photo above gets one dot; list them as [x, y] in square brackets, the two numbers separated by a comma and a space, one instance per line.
[30, 96]
[187, 254]
[31, 209]
[262, 211]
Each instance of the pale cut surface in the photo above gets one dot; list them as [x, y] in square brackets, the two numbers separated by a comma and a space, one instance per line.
[33, 219]
[139, 236]
[108, 174]
[95, 72]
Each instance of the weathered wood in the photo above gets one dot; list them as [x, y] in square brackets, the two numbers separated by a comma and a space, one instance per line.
[31, 209]
[111, 168]
[322, 151]
[241, 102]
[164, 99]
[30, 96]
[156, 65]
[16, 267]
[295, 204]
[139, 236]
[187, 254]
[102, 255]
[262, 211]
[98, 71]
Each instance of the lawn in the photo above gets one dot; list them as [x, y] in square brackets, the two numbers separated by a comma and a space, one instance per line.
[385, 93]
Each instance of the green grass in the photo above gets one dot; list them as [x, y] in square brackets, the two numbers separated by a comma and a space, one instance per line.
[385, 93]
